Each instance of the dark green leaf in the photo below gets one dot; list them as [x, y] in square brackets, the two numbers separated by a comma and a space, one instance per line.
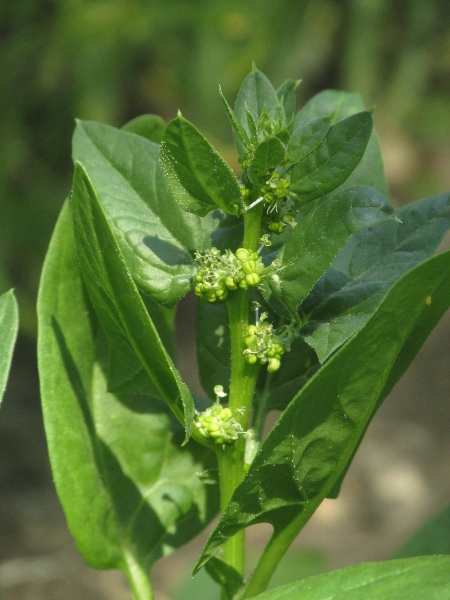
[213, 346]
[311, 443]
[150, 127]
[321, 233]
[268, 154]
[256, 92]
[117, 301]
[340, 105]
[129, 491]
[306, 139]
[288, 91]
[431, 538]
[156, 237]
[9, 322]
[424, 578]
[334, 159]
[367, 267]
[198, 177]
[225, 575]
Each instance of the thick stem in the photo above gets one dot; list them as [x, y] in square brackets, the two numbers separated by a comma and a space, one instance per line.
[252, 227]
[138, 579]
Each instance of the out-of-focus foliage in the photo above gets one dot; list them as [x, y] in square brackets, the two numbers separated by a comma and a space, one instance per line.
[111, 60]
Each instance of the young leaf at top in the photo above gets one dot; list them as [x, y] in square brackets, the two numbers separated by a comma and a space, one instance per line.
[157, 238]
[199, 179]
[311, 443]
[288, 91]
[335, 158]
[117, 300]
[256, 92]
[241, 137]
[130, 493]
[151, 127]
[268, 154]
[423, 578]
[320, 234]
[370, 263]
[9, 321]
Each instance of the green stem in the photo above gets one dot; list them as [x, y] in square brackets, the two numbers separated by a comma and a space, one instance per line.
[252, 227]
[138, 579]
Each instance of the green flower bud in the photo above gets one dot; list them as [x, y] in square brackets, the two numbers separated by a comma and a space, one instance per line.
[251, 359]
[274, 365]
[252, 279]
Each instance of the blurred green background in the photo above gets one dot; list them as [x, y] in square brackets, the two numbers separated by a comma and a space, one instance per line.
[111, 60]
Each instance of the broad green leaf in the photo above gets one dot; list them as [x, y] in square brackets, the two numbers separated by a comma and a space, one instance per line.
[129, 491]
[431, 538]
[306, 139]
[225, 575]
[151, 127]
[288, 91]
[157, 238]
[310, 445]
[117, 301]
[319, 236]
[9, 321]
[424, 578]
[335, 158]
[256, 92]
[199, 179]
[340, 105]
[367, 267]
[268, 154]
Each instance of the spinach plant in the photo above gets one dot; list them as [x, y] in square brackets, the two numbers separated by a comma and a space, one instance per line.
[314, 296]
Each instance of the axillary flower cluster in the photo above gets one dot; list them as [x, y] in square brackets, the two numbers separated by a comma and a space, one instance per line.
[221, 273]
[217, 422]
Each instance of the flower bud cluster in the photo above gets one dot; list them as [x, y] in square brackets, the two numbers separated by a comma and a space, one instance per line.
[264, 346]
[221, 273]
[276, 222]
[218, 424]
[276, 188]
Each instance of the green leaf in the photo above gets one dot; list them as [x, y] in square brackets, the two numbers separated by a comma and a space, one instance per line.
[321, 233]
[241, 137]
[9, 322]
[157, 238]
[117, 301]
[199, 179]
[340, 105]
[268, 154]
[129, 491]
[225, 575]
[306, 139]
[150, 127]
[362, 273]
[315, 437]
[213, 346]
[256, 92]
[288, 91]
[334, 159]
[424, 578]
[431, 538]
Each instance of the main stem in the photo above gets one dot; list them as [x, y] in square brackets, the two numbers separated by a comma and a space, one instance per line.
[242, 388]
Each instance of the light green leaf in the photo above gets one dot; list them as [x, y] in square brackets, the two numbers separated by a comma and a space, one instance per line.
[256, 92]
[157, 238]
[117, 301]
[129, 491]
[367, 267]
[288, 91]
[335, 158]
[310, 445]
[199, 179]
[151, 127]
[318, 237]
[424, 578]
[268, 154]
[9, 323]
